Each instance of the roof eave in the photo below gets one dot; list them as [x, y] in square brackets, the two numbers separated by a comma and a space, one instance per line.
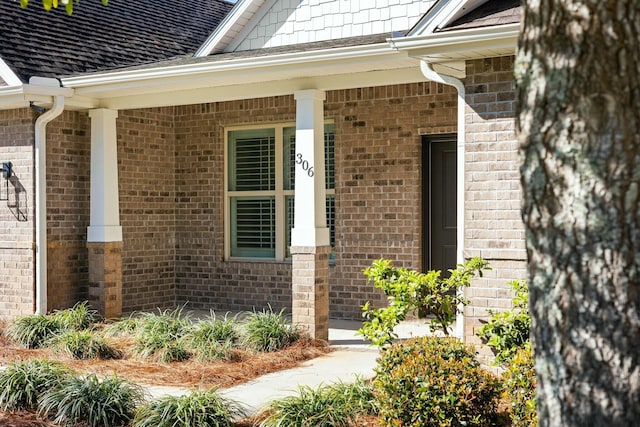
[470, 43]
[230, 26]
[21, 96]
[259, 64]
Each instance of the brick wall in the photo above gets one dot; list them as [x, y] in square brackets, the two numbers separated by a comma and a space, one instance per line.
[378, 193]
[147, 168]
[493, 226]
[68, 169]
[16, 233]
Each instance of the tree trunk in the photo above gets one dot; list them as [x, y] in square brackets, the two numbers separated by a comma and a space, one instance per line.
[578, 77]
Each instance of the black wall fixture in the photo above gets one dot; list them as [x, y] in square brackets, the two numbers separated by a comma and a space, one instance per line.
[7, 172]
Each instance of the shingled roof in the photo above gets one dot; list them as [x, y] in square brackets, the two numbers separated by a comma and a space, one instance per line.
[34, 42]
[493, 12]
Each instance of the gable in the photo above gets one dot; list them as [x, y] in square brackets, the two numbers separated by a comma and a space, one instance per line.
[95, 37]
[493, 12]
[290, 22]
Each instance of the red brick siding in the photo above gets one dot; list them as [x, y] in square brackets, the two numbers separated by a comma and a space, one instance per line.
[378, 193]
[68, 168]
[493, 226]
[16, 237]
[147, 170]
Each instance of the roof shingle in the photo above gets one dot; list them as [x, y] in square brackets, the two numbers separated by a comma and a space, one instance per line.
[493, 12]
[95, 37]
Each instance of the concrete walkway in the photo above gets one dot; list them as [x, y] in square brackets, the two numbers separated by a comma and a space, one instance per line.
[351, 358]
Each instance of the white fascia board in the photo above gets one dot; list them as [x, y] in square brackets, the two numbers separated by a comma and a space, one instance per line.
[20, 96]
[230, 23]
[443, 13]
[7, 74]
[262, 89]
[248, 27]
[434, 16]
[498, 36]
[235, 67]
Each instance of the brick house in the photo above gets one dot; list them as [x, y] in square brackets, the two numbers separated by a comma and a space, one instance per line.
[264, 153]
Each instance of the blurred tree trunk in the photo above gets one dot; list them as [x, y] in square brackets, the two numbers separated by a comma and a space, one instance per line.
[578, 77]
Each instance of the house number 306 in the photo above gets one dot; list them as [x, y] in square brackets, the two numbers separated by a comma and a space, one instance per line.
[305, 165]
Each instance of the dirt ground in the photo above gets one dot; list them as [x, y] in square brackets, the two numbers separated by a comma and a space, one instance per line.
[244, 367]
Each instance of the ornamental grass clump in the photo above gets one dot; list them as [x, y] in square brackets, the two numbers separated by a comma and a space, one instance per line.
[159, 336]
[33, 331]
[336, 405]
[76, 318]
[212, 338]
[92, 402]
[197, 409]
[434, 382]
[22, 383]
[268, 331]
[83, 344]
[36, 330]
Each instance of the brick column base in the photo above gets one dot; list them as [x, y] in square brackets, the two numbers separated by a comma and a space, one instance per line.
[310, 291]
[105, 278]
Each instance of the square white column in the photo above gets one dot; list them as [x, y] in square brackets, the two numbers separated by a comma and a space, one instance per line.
[105, 202]
[310, 218]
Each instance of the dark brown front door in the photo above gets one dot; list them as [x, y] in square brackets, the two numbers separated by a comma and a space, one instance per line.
[439, 191]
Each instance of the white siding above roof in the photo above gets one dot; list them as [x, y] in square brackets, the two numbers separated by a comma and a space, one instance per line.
[303, 21]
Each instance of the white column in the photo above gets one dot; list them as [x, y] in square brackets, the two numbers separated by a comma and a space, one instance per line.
[310, 220]
[105, 206]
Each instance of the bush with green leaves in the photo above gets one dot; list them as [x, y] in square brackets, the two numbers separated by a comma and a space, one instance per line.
[197, 409]
[409, 291]
[434, 382]
[83, 344]
[93, 402]
[336, 405]
[212, 338]
[159, 336]
[22, 383]
[508, 331]
[269, 331]
[520, 388]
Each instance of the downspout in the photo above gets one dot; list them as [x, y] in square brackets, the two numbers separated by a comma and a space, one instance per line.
[41, 200]
[431, 74]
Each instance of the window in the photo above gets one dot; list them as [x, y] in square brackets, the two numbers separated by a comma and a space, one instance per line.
[261, 187]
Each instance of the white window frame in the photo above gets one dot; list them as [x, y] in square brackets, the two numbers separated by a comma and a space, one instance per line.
[280, 194]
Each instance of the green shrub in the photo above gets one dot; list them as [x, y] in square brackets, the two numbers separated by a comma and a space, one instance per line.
[22, 384]
[197, 409]
[36, 330]
[520, 389]
[212, 338]
[409, 291]
[328, 406]
[84, 344]
[159, 336]
[107, 403]
[434, 382]
[269, 331]
[122, 327]
[508, 331]
[33, 331]
[79, 317]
